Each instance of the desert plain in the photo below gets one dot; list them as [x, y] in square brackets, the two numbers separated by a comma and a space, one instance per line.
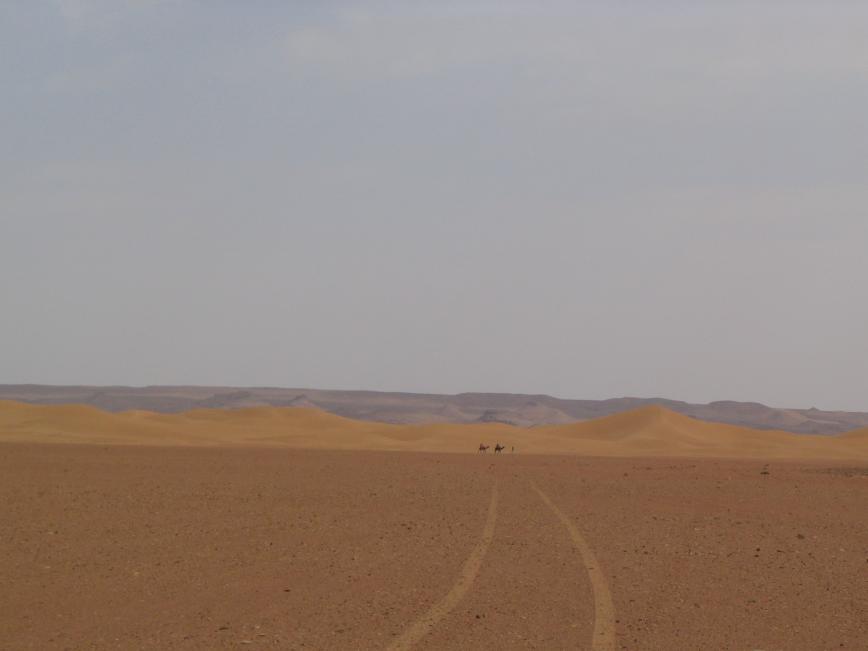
[296, 529]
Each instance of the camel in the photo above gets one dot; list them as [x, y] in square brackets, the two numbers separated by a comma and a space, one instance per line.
[498, 448]
[483, 448]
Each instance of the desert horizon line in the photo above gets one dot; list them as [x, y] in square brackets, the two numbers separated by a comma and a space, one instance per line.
[651, 430]
[447, 394]
[405, 407]
[652, 408]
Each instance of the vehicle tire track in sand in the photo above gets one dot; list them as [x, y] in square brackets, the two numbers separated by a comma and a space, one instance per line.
[465, 580]
[604, 609]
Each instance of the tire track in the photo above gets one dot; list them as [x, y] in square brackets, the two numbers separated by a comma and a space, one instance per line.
[604, 610]
[465, 580]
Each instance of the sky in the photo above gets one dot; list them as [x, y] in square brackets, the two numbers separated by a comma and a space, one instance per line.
[585, 199]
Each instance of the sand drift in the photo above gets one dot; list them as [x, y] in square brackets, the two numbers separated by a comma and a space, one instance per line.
[651, 431]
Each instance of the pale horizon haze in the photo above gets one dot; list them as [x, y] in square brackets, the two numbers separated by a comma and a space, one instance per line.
[589, 200]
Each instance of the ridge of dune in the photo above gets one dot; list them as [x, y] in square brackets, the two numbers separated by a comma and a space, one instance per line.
[855, 435]
[648, 431]
[402, 408]
[621, 425]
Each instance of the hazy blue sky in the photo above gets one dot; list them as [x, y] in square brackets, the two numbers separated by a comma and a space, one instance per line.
[585, 199]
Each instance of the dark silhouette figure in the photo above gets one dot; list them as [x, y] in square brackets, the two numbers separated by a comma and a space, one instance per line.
[498, 448]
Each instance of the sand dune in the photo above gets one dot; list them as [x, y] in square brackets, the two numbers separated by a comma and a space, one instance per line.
[524, 410]
[856, 435]
[649, 431]
[657, 431]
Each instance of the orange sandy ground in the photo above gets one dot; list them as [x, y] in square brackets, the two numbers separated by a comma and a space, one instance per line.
[199, 548]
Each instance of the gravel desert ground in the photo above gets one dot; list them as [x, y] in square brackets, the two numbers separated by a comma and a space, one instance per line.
[106, 546]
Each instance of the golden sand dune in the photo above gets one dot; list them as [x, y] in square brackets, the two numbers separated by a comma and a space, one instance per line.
[650, 431]
[856, 435]
[656, 431]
